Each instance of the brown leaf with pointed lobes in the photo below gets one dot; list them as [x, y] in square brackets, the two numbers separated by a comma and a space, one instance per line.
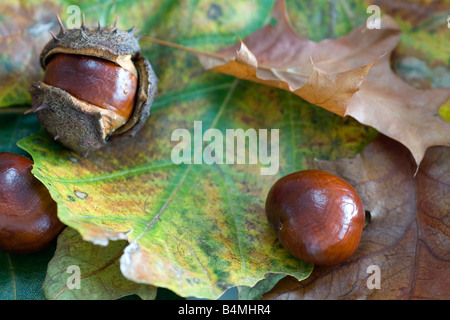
[333, 91]
[326, 73]
[408, 236]
[400, 111]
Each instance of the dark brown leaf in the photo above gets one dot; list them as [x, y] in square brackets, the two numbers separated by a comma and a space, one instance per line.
[408, 237]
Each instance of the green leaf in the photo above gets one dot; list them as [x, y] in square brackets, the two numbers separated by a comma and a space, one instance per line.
[200, 229]
[195, 229]
[256, 292]
[84, 271]
[21, 276]
[15, 126]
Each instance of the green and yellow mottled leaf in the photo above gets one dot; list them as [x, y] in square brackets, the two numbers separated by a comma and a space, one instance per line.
[196, 229]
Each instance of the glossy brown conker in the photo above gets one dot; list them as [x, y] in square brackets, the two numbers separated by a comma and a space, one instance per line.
[28, 214]
[97, 81]
[97, 87]
[317, 217]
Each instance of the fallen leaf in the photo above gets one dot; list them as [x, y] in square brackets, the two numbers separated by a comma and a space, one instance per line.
[350, 75]
[80, 270]
[260, 288]
[394, 108]
[322, 73]
[194, 229]
[206, 210]
[21, 276]
[408, 237]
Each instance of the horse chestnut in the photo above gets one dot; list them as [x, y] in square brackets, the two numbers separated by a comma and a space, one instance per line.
[28, 214]
[84, 77]
[318, 217]
[97, 86]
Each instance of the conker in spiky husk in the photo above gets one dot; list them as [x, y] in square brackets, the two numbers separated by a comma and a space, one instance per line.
[97, 86]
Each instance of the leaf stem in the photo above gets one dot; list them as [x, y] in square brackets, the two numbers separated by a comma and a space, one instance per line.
[13, 110]
[184, 48]
[217, 56]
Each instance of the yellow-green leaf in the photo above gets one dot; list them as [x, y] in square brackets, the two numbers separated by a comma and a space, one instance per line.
[196, 229]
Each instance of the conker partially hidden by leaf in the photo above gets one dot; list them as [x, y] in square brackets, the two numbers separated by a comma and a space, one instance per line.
[97, 86]
[28, 214]
[318, 217]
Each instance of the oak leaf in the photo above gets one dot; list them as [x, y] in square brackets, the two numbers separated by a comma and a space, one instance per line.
[350, 76]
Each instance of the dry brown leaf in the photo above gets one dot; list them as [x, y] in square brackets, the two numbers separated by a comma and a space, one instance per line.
[337, 74]
[322, 73]
[408, 236]
[400, 111]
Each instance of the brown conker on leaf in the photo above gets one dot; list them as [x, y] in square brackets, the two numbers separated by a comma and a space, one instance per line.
[97, 86]
[28, 214]
[318, 217]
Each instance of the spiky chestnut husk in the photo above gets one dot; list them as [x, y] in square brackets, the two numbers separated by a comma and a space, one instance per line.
[80, 125]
